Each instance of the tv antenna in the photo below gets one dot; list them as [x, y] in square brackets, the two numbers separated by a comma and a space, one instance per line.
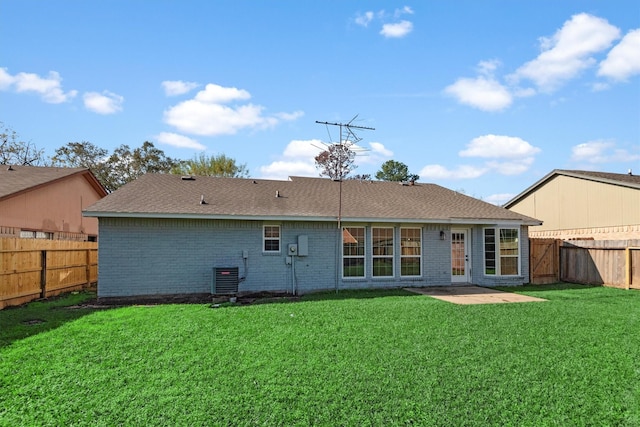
[350, 137]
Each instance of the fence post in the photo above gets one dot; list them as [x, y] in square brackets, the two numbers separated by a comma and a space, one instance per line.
[627, 267]
[43, 274]
[88, 267]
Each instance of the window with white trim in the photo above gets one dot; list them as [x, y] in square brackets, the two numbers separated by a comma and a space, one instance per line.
[502, 251]
[353, 241]
[271, 238]
[410, 251]
[382, 251]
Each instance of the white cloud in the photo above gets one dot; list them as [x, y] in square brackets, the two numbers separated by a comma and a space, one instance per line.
[379, 148]
[568, 52]
[303, 149]
[518, 157]
[376, 154]
[221, 95]
[178, 87]
[283, 169]
[206, 113]
[460, 172]
[179, 141]
[397, 30]
[623, 61]
[49, 88]
[514, 166]
[6, 79]
[364, 19]
[483, 93]
[499, 199]
[601, 151]
[405, 10]
[296, 160]
[499, 146]
[289, 116]
[103, 103]
[487, 68]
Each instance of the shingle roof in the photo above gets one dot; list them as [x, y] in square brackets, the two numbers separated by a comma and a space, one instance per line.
[16, 179]
[620, 179]
[170, 196]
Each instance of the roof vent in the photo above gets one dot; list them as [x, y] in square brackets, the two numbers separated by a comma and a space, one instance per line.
[188, 178]
[10, 168]
[277, 194]
[202, 202]
[630, 171]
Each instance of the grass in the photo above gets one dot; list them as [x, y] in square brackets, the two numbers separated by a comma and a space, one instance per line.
[352, 358]
[41, 316]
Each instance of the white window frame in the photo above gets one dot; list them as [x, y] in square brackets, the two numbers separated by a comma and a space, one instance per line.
[498, 252]
[349, 256]
[390, 256]
[419, 256]
[265, 239]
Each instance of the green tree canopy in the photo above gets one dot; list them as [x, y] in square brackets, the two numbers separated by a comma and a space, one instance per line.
[115, 170]
[204, 165]
[392, 170]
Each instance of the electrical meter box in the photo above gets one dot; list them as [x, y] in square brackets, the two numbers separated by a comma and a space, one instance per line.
[303, 245]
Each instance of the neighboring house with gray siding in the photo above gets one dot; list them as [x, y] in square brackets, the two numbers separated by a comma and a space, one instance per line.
[171, 235]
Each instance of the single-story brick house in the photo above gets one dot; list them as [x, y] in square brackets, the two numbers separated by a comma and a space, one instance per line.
[179, 235]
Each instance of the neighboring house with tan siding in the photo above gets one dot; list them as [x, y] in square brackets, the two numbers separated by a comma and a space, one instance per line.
[577, 204]
[166, 235]
[47, 202]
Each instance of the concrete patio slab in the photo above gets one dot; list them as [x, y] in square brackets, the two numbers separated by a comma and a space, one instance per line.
[472, 295]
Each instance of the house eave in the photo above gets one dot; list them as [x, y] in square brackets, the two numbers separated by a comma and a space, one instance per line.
[452, 221]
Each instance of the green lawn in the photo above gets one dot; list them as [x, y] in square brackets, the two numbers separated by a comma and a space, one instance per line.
[356, 358]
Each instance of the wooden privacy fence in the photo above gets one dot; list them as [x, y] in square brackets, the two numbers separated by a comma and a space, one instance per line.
[610, 266]
[32, 268]
[613, 263]
[544, 261]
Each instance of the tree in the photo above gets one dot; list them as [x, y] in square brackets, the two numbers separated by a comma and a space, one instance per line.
[360, 177]
[126, 165]
[13, 151]
[392, 170]
[204, 165]
[115, 170]
[336, 162]
[84, 155]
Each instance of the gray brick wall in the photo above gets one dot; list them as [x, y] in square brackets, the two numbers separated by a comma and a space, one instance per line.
[478, 276]
[166, 256]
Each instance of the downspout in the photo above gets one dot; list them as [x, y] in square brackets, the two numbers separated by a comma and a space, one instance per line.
[339, 237]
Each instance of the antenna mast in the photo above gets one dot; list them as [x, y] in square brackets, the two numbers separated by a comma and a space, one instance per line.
[351, 138]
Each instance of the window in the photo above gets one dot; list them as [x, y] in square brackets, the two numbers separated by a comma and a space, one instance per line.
[382, 252]
[353, 252]
[501, 251]
[410, 251]
[271, 238]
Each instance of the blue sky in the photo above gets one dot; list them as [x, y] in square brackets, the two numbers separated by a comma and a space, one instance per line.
[485, 97]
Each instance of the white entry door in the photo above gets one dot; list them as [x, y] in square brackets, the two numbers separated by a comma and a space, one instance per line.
[460, 262]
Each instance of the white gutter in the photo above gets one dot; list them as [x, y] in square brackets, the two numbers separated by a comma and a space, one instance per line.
[154, 215]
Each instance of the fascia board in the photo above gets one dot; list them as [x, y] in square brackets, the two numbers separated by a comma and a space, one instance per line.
[98, 214]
